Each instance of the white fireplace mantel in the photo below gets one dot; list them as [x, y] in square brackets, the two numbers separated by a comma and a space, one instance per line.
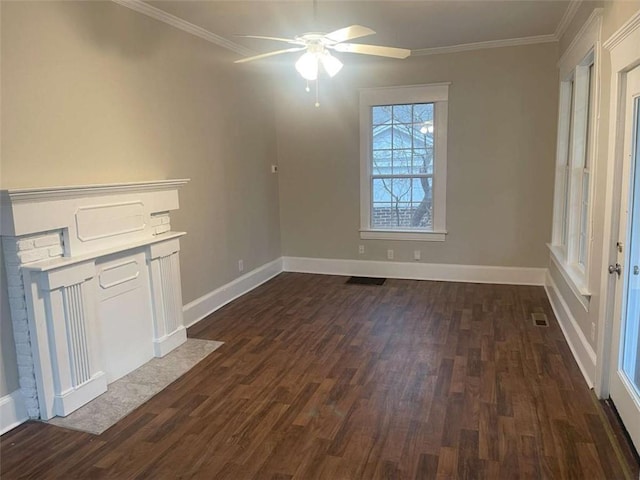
[93, 278]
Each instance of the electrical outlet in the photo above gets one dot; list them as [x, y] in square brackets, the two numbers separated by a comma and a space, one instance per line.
[274, 168]
[361, 249]
[593, 331]
[417, 255]
[390, 254]
[240, 265]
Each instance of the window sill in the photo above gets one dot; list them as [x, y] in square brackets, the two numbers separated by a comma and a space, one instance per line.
[438, 236]
[572, 276]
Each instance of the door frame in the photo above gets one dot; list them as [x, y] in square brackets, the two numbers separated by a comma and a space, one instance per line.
[624, 49]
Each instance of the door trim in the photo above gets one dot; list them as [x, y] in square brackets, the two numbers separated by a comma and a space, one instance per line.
[625, 55]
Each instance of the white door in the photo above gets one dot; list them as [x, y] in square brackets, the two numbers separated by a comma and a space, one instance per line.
[624, 387]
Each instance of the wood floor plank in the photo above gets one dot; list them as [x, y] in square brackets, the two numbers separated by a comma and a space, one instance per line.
[319, 379]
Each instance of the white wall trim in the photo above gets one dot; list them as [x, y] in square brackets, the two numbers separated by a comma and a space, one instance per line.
[207, 304]
[587, 38]
[417, 271]
[177, 22]
[566, 19]
[582, 351]
[581, 293]
[153, 12]
[623, 32]
[466, 47]
[12, 411]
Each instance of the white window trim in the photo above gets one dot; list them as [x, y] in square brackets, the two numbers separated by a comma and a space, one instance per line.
[437, 93]
[583, 50]
[573, 277]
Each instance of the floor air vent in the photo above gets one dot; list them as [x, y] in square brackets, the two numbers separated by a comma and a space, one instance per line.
[366, 281]
[539, 319]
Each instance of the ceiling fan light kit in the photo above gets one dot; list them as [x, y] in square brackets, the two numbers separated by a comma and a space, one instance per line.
[307, 64]
[330, 64]
[318, 46]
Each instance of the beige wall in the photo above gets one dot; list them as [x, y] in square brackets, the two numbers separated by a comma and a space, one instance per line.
[501, 148]
[615, 14]
[94, 92]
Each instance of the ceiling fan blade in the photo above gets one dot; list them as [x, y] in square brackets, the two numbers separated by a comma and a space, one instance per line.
[349, 33]
[270, 54]
[380, 51]
[276, 39]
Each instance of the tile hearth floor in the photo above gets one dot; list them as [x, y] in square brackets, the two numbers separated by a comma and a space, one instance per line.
[132, 390]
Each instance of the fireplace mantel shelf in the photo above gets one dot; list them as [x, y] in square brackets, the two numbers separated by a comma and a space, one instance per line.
[73, 191]
[60, 262]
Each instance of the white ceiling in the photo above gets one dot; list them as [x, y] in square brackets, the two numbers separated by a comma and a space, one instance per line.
[415, 25]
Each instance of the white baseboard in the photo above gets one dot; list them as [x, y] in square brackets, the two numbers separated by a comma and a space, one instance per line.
[417, 271]
[583, 352]
[168, 343]
[74, 398]
[209, 303]
[12, 411]
[212, 301]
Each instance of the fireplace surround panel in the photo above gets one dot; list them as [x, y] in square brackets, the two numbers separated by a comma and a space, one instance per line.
[93, 277]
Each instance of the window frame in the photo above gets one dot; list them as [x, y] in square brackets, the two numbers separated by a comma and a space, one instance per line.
[438, 94]
[575, 158]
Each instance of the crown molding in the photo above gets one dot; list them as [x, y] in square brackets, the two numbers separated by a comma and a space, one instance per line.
[158, 14]
[566, 19]
[465, 47]
[623, 32]
[153, 12]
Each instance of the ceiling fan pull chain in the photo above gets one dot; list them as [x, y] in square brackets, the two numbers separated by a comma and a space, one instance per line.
[317, 92]
[307, 89]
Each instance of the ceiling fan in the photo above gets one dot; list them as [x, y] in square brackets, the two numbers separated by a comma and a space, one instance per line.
[318, 46]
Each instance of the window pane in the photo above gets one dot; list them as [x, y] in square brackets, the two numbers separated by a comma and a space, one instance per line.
[402, 114]
[382, 137]
[400, 187]
[423, 112]
[410, 206]
[567, 161]
[402, 162]
[423, 161]
[418, 189]
[589, 107]
[582, 248]
[419, 138]
[381, 190]
[402, 136]
[381, 114]
[382, 162]
[565, 208]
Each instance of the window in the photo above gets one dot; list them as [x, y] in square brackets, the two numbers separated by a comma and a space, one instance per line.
[586, 174]
[573, 189]
[403, 154]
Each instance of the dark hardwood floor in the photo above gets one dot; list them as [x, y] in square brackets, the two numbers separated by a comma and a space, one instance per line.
[319, 379]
